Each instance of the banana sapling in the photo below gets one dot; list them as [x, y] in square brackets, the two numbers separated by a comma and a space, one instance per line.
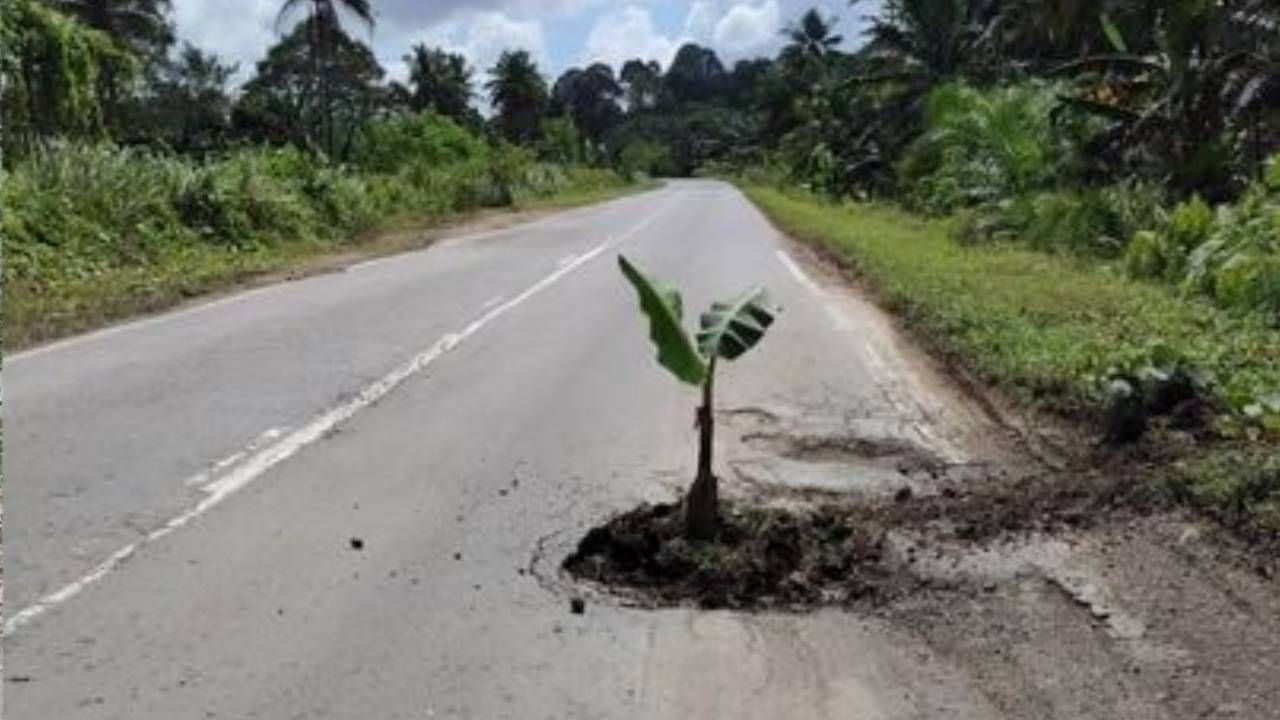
[727, 331]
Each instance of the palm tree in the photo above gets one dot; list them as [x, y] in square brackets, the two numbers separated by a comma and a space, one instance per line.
[519, 94]
[811, 39]
[441, 81]
[325, 19]
[927, 40]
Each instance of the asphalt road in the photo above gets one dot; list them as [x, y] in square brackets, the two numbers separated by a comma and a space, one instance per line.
[183, 493]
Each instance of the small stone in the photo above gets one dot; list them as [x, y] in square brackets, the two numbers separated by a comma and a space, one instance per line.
[457, 556]
[903, 495]
[357, 544]
[577, 606]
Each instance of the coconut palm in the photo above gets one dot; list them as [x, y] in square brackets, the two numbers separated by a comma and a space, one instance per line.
[519, 94]
[811, 39]
[440, 81]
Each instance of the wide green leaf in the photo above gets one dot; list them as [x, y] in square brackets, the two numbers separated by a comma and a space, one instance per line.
[730, 329]
[662, 305]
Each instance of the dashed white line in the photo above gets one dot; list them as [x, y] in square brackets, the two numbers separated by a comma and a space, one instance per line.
[250, 466]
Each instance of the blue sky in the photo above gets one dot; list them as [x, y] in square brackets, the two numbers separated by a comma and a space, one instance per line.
[559, 33]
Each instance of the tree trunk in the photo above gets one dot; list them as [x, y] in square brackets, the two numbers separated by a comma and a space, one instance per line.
[702, 504]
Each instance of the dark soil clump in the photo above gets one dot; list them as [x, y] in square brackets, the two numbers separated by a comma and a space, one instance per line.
[760, 559]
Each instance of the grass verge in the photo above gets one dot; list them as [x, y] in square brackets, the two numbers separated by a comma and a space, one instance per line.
[1049, 330]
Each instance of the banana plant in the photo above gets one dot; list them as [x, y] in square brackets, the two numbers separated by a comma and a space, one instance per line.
[727, 331]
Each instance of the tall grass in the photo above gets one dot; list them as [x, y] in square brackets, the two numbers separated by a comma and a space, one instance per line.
[95, 232]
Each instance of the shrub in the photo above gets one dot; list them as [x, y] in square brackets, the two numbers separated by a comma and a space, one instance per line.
[1093, 221]
[983, 146]
[1146, 256]
[389, 144]
[641, 157]
[1249, 281]
[1237, 261]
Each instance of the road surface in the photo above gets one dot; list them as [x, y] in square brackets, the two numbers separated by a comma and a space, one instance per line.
[346, 496]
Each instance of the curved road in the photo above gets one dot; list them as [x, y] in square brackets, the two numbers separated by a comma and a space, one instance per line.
[345, 497]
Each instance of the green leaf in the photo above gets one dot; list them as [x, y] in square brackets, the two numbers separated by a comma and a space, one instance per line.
[1113, 34]
[664, 308]
[730, 329]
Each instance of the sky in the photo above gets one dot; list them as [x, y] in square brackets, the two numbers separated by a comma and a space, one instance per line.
[559, 33]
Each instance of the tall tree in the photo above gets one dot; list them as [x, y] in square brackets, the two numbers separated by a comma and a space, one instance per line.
[590, 97]
[188, 106]
[643, 83]
[325, 32]
[439, 81]
[811, 40]
[141, 26]
[282, 102]
[519, 95]
[696, 75]
[50, 72]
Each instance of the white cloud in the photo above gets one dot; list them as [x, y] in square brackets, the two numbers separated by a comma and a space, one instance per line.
[701, 21]
[748, 29]
[557, 32]
[629, 33]
[482, 36]
[241, 36]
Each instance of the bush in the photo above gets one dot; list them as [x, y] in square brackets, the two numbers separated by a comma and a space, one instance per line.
[1237, 262]
[642, 157]
[390, 144]
[1091, 221]
[983, 146]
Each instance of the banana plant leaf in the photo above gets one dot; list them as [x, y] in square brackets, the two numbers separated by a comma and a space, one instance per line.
[730, 329]
[664, 308]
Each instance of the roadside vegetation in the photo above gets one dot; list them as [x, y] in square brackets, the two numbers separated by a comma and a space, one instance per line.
[95, 233]
[133, 177]
[1065, 335]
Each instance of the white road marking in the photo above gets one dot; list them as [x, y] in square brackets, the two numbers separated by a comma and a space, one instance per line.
[491, 302]
[241, 296]
[828, 303]
[798, 273]
[565, 260]
[253, 465]
[202, 479]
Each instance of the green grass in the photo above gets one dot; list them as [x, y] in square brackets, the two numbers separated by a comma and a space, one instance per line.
[1047, 329]
[97, 234]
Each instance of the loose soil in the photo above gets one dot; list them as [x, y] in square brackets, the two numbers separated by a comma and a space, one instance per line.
[760, 558]
[857, 551]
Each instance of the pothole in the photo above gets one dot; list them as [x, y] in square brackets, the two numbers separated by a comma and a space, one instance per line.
[902, 455]
[761, 558]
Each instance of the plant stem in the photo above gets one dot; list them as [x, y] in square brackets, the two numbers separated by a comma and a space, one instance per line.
[702, 505]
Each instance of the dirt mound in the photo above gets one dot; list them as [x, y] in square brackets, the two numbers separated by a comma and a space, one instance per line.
[760, 559]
